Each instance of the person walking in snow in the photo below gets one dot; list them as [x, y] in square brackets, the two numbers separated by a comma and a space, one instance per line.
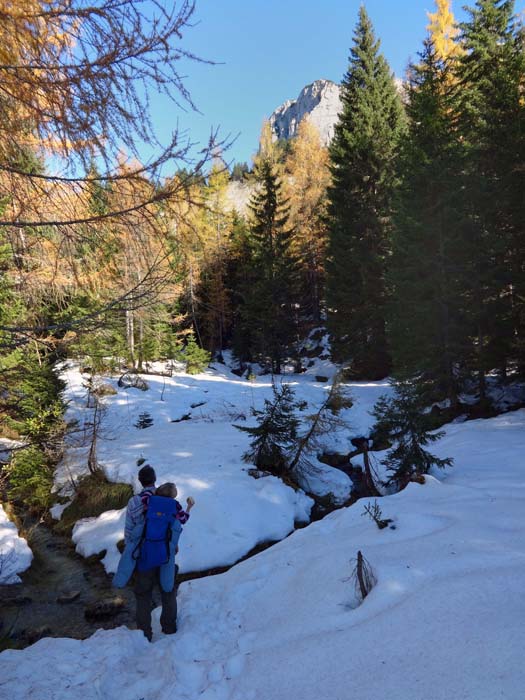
[153, 526]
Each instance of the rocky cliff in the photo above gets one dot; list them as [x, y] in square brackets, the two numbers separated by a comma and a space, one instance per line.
[319, 103]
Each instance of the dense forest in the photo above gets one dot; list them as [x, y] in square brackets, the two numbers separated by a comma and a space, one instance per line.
[405, 238]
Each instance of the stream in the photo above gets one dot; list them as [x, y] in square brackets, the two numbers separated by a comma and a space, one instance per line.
[65, 595]
[61, 594]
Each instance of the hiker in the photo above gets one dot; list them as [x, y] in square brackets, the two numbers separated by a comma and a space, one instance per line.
[154, 520]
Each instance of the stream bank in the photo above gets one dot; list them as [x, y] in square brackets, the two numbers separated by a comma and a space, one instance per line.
[61, 594]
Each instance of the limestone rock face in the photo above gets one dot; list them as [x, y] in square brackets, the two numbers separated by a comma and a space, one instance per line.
[238, 195]
[319, 102]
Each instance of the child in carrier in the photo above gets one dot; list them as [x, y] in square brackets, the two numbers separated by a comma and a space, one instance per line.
[150, 551]
[169, 490]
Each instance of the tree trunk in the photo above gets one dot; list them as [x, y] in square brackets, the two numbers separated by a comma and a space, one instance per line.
[370, 484]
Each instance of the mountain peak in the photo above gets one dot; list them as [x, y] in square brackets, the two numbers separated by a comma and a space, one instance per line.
[319, 102]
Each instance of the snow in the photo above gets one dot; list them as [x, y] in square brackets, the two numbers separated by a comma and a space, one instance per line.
[57, 510]
[203, 456]
[15, 555]
[326, 481]
[7, 446]
[445, 619]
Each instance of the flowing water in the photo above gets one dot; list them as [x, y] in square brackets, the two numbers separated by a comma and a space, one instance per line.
[32, 609]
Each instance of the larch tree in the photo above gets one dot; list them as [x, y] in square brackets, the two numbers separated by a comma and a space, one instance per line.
[443, 31]
[215, 235]
[75, 82]
[307, 167]
[362, 163]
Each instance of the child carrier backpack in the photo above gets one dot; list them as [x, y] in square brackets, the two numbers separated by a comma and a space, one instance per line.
[154, 547]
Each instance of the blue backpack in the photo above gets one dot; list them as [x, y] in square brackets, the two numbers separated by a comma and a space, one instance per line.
[154, 547]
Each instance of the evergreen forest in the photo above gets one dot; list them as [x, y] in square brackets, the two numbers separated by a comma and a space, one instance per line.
[403, 239]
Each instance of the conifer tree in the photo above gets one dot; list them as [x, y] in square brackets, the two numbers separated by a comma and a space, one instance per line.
[275, 432]
[490, 72]
[214, 233]
[443, 31]
[362, 156]
[241, 276]
[307, 167]
[270, 308]
[402, 418]
[426, 320]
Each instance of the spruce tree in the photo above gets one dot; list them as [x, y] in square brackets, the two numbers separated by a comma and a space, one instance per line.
[517, 205]
[270, 306]
[362, 155]
[427, 331]
[240, 280]
[275, 433]
[490, 72]
[404, 421]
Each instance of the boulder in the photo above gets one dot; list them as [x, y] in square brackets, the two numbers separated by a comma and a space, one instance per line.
[334, 459]
[104, 609]
[132, 381]
[104, 389]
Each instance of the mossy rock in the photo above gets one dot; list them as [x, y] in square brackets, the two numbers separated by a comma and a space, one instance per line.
[94, 496]
[105, 389]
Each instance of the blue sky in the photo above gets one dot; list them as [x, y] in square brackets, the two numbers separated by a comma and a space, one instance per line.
[268, 50]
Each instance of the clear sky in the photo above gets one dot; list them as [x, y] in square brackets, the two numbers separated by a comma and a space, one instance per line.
[268, 50]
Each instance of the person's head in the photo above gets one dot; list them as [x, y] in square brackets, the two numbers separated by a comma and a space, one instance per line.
[168, 489]
[147, 476]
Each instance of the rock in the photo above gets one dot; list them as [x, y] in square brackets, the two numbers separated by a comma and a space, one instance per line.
[320, 378]
[16, 601]
[360, 443]
[132, 381]
[185, 416]
[258, 473]
[33, 634]
[319, 102]
[65, 598]
[104, 389]
[334, 459]
[104, 609]
[238, 195]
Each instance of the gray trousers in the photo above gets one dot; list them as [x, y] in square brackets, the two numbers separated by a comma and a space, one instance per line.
[145, 581]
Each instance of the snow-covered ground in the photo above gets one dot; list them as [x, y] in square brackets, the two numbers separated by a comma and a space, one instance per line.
[15, 555]
[203, 456]
[445, 620]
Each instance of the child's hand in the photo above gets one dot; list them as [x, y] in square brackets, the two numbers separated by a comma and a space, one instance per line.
[189, 503]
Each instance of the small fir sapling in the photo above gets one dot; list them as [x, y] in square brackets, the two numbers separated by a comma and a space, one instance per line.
[406, 422]
[374, 513]
[195, 357]
[275, 432]
[144, 421]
